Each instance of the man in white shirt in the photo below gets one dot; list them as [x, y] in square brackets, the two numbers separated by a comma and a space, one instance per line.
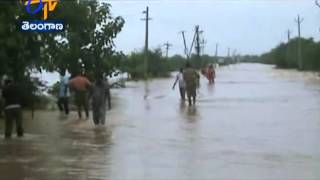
[182, 85]
[64, 93]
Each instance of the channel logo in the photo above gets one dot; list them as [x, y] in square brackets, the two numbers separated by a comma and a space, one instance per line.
[44, 25]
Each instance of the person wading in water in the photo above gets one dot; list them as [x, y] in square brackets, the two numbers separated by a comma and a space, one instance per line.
[63, 96]
[100, 94]
[182, 85]
[12, 108]
[211, 74]
[81, 85]
[191, 78]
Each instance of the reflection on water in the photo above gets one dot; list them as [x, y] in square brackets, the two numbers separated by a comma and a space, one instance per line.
[254, 123]
[211, 89]
[192, 114]
[182, 106]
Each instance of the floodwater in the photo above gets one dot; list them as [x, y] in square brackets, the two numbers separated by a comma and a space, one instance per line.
[255, 123]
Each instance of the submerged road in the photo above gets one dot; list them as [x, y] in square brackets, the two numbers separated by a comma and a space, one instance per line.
[255, 123]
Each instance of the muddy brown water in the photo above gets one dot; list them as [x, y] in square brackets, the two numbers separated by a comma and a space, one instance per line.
[256, 122]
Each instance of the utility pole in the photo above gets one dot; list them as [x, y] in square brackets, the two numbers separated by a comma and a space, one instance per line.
[288, 34]
[234, 55]
[203, 44]
[300, 61]
[167, 45]
[197, 47]
[147, 19]
[196, 40]
[228, 52]
[288, 45]
[191, 47]
[185, 44]
[216, 53]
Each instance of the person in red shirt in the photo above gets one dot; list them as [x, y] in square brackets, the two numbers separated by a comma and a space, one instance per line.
[81, 85]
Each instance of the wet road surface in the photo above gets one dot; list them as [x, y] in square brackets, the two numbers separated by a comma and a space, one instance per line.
[255, 123]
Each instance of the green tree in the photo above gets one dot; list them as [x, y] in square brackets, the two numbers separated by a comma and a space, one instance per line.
[89, 36]
[158, 65]
[19, 52]
[90, 31]
[176, 62]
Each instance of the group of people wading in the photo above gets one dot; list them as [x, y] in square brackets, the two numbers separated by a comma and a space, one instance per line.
[78, 84]
[84, 90]
[189, 80]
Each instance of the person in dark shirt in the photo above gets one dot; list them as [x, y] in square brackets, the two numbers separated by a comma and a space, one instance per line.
[100, 95]
[12, 108]
[191, 78]
[1, 99]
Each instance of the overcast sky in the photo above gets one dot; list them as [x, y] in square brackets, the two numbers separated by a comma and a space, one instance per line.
[250, 26]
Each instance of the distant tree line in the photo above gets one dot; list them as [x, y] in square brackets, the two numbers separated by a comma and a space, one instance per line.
[285, 55]
[249, 58]
[161, 66]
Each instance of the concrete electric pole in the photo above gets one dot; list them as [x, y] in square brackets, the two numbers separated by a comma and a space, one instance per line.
[192, 43]
[234, 53]
[185, 44]
[288, 34]
[167, 45]
[216, 53]
[147, 19]
[197, 47]
[203, 45]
